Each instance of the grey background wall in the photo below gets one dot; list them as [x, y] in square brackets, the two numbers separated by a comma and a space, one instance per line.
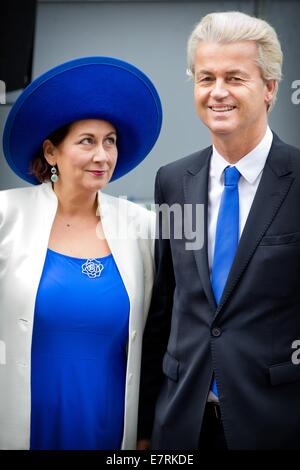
[153, 36]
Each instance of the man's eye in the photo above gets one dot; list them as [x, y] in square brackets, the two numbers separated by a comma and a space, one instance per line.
[234, 79]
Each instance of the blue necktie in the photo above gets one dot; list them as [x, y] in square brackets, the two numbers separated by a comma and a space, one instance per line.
[227, 236]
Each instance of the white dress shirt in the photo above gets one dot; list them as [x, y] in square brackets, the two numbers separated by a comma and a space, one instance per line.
[250, 168]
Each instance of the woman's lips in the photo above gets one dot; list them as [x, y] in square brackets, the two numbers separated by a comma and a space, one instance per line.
[97, 172]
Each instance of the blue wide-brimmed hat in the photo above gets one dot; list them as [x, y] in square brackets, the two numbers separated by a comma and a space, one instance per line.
[86, 88]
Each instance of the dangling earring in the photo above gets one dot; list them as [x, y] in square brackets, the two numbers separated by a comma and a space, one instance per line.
[54, 176]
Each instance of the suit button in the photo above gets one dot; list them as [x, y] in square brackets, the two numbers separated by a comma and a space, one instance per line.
[216, 332]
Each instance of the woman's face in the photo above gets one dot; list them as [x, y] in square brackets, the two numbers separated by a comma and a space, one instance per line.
[87, 156]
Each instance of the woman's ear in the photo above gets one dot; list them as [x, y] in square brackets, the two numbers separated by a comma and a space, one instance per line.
[49, 152]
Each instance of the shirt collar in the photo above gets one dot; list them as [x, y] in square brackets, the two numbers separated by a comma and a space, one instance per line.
[250, 166]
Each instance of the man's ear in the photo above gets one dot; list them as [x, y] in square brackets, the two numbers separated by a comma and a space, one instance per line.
[49, 150]
[270, 91]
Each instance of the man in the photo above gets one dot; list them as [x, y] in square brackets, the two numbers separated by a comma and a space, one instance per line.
[217, 369]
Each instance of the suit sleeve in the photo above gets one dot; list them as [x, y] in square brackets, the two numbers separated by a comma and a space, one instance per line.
[157, 329]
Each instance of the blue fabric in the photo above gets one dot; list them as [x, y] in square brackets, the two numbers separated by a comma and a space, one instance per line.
[227, 236]
[78, 357]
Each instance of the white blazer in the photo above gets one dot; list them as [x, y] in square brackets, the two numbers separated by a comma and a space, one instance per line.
[26, 218]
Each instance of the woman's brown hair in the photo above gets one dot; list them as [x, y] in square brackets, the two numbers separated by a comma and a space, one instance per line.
[39, 167]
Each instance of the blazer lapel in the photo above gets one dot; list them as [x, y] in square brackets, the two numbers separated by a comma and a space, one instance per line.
[196, 192]
[115, 223]
[39, 210]
[272, 190]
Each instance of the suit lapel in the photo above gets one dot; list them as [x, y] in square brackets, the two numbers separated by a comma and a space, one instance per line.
[196, 192]
[272, 190]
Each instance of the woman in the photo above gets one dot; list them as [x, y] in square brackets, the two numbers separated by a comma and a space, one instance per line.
[76, 266]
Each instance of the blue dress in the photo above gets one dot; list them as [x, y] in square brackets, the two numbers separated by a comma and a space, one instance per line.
[78, 356]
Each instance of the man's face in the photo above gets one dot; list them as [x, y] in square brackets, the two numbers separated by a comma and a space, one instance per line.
[231, 96]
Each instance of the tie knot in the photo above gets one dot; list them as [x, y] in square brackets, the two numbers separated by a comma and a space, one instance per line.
[231, 176]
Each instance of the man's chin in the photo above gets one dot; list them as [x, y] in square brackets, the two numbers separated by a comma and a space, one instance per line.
[221, 130]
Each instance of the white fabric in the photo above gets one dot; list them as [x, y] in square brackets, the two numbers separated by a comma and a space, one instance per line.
[250, 167]
[26, 218]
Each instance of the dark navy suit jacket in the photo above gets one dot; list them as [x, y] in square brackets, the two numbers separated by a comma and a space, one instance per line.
[246, 341]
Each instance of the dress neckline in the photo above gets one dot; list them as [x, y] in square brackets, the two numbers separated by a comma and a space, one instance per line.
[80, 259]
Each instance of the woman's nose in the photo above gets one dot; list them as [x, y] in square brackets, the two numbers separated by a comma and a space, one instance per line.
[100, 154]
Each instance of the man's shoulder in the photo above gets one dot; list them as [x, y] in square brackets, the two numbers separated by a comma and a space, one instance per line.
[284, 145]
[193, 162]
[284, 152]
[294, 151]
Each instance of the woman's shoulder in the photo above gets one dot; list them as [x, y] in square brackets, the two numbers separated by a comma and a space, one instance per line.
[19, 193]
[19, 198]
[14, 196]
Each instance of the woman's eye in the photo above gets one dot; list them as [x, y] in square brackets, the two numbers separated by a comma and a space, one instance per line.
[87, 140]
[110, 140]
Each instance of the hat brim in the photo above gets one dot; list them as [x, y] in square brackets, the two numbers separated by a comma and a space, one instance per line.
[86, 88]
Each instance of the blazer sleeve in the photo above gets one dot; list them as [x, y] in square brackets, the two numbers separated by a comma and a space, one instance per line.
[158, 323]
[2, 202]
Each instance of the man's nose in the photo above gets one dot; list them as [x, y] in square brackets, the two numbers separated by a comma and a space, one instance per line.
[219, 90]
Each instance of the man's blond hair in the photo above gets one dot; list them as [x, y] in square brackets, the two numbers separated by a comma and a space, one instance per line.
[233, 26]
